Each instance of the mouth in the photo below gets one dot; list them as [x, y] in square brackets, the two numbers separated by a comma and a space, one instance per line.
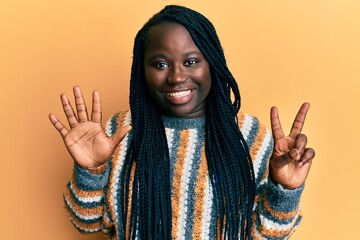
[179, 94]
[179, 97]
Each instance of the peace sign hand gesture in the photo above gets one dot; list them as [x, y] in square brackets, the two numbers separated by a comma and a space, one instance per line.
[86, 140]
[291, 161]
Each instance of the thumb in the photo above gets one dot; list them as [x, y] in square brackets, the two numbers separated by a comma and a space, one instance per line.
[119, 135]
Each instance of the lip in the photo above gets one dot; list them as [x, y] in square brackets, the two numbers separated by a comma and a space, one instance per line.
[180, 96]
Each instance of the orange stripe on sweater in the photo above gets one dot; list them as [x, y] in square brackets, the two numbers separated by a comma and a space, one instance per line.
[266, 172]
[200, 196]
[82, 193]
[257, 197]
[131, 180]
[253, 230]
[114, 162]
[79, 209]
[176, 195]
[241, 120]
[277, 214]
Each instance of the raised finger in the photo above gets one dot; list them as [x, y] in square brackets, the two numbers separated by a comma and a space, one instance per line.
[58, 125]
[301, 142]
[299, 120]
[275, 124]
[307, 156]
[68, 110]
[80, 105]
[96, 108]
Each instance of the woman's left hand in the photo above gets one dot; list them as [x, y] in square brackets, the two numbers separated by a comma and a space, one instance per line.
[291, 160]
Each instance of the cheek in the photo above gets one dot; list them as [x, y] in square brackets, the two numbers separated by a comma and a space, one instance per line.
[207, 81]
[153, 84]
[150, 80]
[207, 88]
[154, 77]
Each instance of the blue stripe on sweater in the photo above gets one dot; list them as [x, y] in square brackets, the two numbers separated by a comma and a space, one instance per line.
[281, 199]
[114, 123]
[87, 181]
[175, 141]
[253, 132]
[214, 215]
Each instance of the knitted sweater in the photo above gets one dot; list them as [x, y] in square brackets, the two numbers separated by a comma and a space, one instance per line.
[91, 200]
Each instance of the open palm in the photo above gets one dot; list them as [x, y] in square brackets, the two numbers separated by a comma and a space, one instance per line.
[291, 161]
[86, 140]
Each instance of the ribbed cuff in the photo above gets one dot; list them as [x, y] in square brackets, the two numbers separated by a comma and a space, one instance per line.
[281, 199]
[85, 180]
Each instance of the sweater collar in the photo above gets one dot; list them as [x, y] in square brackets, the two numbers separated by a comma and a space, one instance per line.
[184, 123]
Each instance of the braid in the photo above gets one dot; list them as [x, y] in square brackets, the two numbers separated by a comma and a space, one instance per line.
[229, 163]
[151, 185]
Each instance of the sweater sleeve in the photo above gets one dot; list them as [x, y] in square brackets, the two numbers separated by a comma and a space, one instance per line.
[276, 212]
[85, 195]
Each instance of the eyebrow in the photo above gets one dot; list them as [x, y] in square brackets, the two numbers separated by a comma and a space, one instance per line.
[193, 53]
[161, 55]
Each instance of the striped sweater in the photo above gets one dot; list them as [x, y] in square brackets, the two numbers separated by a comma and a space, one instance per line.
[91, 200]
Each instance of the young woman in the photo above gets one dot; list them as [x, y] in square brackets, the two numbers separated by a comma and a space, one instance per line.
[183, 163]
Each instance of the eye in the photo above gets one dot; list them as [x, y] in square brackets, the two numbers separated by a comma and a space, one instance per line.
[191, 62]
[160, 65]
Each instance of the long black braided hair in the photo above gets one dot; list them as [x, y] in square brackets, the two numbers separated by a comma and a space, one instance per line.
[229, 163]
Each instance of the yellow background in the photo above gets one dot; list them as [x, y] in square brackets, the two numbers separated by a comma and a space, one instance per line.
[281, 52]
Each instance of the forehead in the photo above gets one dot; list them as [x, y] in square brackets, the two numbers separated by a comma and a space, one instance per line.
[169, 36]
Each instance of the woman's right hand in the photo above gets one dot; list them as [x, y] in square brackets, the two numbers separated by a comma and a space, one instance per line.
[86, 140]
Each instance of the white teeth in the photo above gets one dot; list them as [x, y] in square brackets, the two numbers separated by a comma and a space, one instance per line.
[179, 94]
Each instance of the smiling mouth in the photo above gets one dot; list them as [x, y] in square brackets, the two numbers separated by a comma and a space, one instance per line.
[179, 94]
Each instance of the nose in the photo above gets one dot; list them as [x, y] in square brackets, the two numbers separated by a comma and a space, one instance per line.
[177, 75]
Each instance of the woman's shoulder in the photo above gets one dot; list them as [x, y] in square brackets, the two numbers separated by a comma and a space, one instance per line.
[260, 143]
[253, 130]
[248, 121]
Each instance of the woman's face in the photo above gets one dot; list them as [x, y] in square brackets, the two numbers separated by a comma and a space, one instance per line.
[177, 74]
